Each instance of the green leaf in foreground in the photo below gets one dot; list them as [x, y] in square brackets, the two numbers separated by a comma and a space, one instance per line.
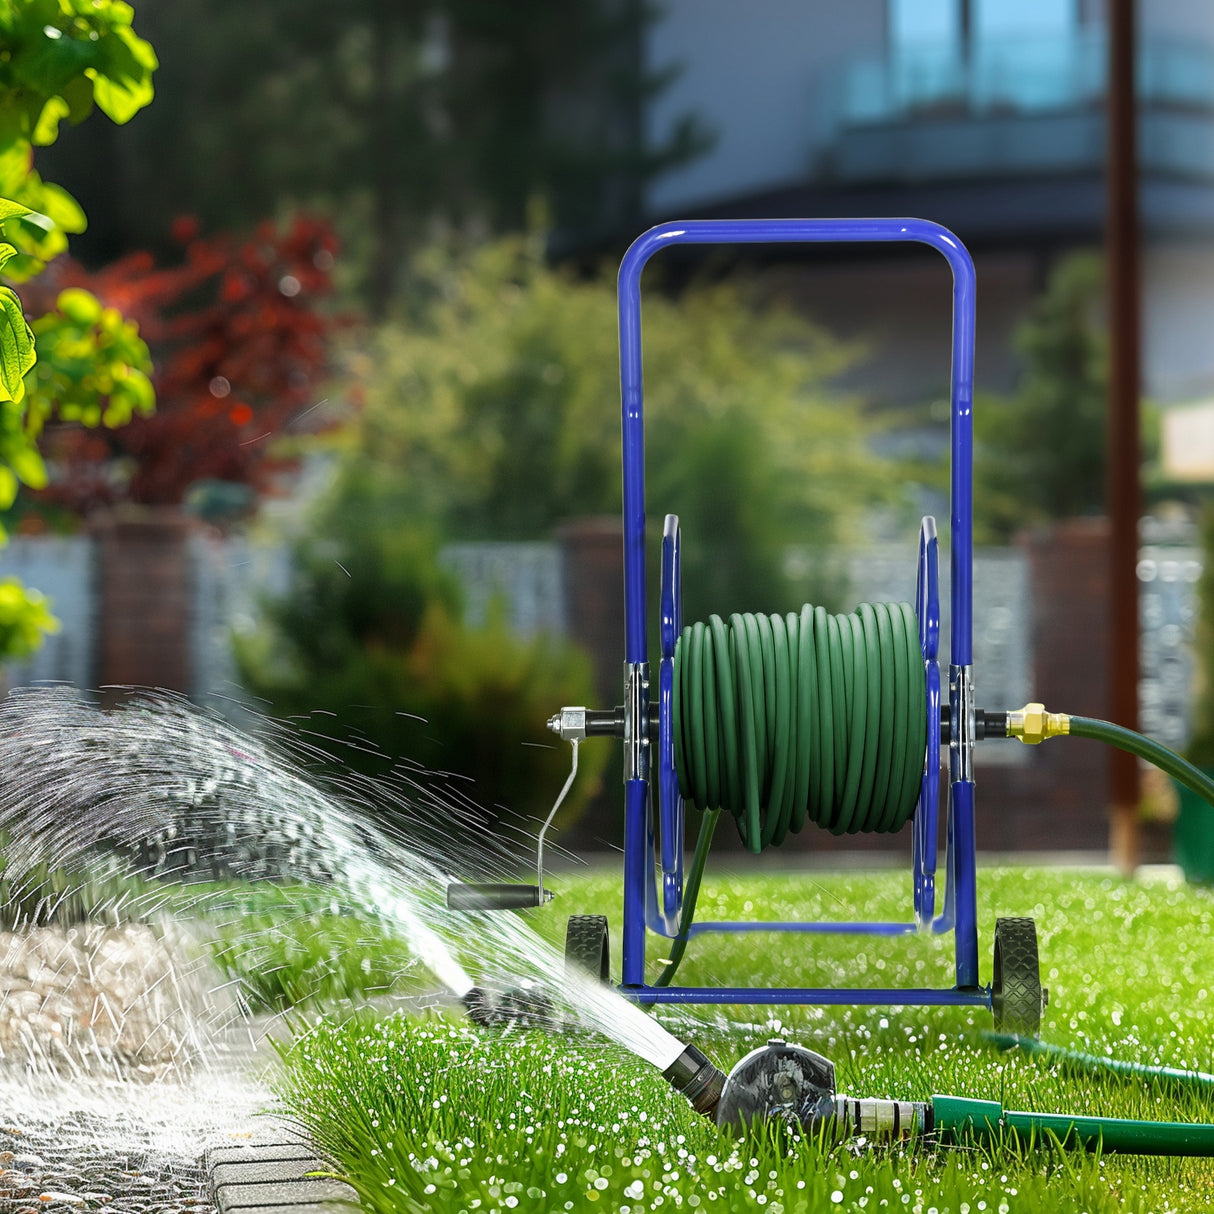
[17, 354]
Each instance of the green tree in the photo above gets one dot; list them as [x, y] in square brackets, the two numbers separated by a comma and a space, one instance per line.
[369, 646]
[1041, 452]
[494, 404]
[492, 411]
[395, 117]
[58, 60]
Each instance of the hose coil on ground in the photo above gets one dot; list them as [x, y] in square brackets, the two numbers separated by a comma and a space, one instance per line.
[780, 719]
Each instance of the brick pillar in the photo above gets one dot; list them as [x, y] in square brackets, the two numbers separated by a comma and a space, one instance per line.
[592, 552]
[592, 557]
[1069, 568]
[143, 600]
[1068, 565]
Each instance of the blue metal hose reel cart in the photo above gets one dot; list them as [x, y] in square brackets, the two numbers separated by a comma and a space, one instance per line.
[659, 738]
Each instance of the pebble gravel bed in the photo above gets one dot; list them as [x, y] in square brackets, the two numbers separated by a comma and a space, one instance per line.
[117, 1074]
[74, 1166]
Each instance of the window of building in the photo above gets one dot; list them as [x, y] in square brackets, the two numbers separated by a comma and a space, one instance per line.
[944, 22]
[1000, 18]
[915, 22]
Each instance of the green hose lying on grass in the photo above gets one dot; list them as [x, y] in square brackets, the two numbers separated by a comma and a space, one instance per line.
[1079, 1061]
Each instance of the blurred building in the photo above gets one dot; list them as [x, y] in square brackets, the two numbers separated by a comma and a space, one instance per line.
[984, 115]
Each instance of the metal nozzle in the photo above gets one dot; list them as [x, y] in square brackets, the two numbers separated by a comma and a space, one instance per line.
[699, 1079]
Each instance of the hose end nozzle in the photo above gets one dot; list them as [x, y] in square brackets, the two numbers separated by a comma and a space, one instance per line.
[699, 1079]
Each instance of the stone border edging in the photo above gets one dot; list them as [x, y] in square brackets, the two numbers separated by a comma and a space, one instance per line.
[270, 1176]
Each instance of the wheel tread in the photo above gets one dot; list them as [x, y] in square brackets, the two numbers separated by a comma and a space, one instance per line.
[587, 946]
[1016, 994]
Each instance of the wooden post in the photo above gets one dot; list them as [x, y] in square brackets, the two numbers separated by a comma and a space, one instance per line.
[143, 585]
[1124, 461]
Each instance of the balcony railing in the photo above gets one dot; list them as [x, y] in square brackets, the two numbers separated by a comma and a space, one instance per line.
[1015, 75]
[1012, 108]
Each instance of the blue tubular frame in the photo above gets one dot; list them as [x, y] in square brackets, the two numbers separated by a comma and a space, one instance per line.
[643, 906]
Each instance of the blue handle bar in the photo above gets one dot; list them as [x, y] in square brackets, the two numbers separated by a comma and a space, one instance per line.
[757, 231]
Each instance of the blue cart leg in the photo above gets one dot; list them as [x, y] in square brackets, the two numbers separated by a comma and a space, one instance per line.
[964, 883]
[636, 793]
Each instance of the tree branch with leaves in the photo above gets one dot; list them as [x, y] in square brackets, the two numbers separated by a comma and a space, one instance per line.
[59, 60]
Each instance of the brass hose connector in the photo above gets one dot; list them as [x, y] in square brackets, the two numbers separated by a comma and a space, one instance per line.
[1032, 724]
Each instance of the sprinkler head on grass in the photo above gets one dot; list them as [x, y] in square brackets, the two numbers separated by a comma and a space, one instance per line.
[778, 1082]
[793, 1087]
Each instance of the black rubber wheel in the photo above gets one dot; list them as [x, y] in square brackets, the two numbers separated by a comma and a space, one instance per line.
[586, 946]
[1016, 995]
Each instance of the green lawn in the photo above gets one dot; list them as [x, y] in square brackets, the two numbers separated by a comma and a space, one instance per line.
[431, 1114]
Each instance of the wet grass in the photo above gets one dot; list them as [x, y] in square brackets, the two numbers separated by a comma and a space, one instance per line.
[295, 946]
[431, 1114]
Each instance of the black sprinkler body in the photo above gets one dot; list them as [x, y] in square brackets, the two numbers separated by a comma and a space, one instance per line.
[791, 1086]
[778, 1081]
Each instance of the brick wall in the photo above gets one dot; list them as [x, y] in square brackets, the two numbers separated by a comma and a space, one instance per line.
[592, 556]
[1057, 798]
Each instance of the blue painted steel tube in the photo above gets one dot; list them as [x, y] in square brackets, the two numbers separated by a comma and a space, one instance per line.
[813, 231]
[837, 996]
[860, 928]
[925, 827]
[636, 793]
[965, 930]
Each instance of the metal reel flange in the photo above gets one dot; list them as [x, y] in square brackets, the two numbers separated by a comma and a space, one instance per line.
[670, 802]
[924, 834]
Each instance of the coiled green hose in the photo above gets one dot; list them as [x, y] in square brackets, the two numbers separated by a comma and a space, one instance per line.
[819, 717]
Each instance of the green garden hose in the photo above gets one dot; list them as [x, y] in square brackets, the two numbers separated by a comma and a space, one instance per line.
[818, 717]
[962, 1117]
[1032, 724]
[784, 719]
[1093, 1063]
[691, 891]
[1146, 748]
